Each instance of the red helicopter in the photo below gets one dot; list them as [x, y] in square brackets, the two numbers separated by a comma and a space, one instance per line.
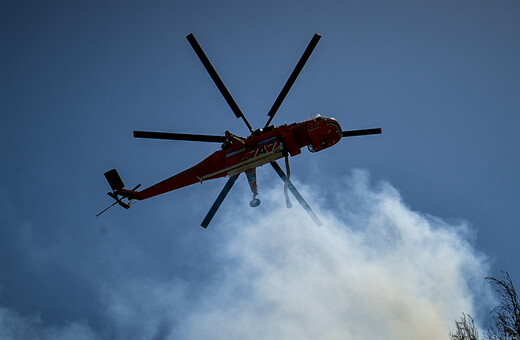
[242, 154]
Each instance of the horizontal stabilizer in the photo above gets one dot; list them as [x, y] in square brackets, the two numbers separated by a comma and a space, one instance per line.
[114, 180]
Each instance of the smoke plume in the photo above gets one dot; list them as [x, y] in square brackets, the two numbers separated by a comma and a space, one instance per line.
[375, 270]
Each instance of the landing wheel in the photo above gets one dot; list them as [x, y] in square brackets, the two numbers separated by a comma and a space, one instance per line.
[254, 203]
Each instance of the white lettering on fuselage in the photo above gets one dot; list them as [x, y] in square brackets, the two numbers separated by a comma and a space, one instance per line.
[263, 148]
[264, 152]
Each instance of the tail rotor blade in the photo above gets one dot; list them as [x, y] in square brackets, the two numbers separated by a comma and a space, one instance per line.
[179, 136]
[362, 132]
[292, 78]
[110, 206]
[216, 79]
[297, 195]
[212, 211]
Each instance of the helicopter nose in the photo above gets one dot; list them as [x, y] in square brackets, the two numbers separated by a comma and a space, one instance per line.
[335, 123]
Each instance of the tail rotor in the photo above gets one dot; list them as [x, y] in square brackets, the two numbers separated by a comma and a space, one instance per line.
[117, 185]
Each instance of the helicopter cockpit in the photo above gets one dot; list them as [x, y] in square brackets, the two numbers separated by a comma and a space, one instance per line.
[323, 132]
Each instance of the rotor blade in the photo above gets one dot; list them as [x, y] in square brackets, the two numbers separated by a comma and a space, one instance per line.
[292, 77]
[179, 136]
[296, 194]
[362, 132]
[213, 74]
[218, 201]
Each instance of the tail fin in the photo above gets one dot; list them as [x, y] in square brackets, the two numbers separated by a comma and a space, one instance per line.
[115, 181]
[118, 189]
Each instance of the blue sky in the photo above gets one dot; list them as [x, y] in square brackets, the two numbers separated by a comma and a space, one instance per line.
[441, 78]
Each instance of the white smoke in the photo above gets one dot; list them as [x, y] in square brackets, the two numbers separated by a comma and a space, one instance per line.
[382, 271]
[375, 270]
[13, 326]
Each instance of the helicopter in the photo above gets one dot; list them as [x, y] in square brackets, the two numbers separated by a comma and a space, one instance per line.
[242, 154]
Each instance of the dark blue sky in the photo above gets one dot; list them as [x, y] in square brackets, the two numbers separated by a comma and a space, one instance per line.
[441, 78]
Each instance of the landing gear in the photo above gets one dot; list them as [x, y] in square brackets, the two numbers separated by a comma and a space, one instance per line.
[255, 202]
[251, 178]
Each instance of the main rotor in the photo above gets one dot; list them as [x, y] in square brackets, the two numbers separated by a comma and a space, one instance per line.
[227, 96]
[234, 106]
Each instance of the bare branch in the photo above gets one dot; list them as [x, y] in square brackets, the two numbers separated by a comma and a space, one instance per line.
[505, 318]
[465, 329]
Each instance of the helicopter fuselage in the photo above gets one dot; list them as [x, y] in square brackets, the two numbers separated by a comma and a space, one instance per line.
[241, 154]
